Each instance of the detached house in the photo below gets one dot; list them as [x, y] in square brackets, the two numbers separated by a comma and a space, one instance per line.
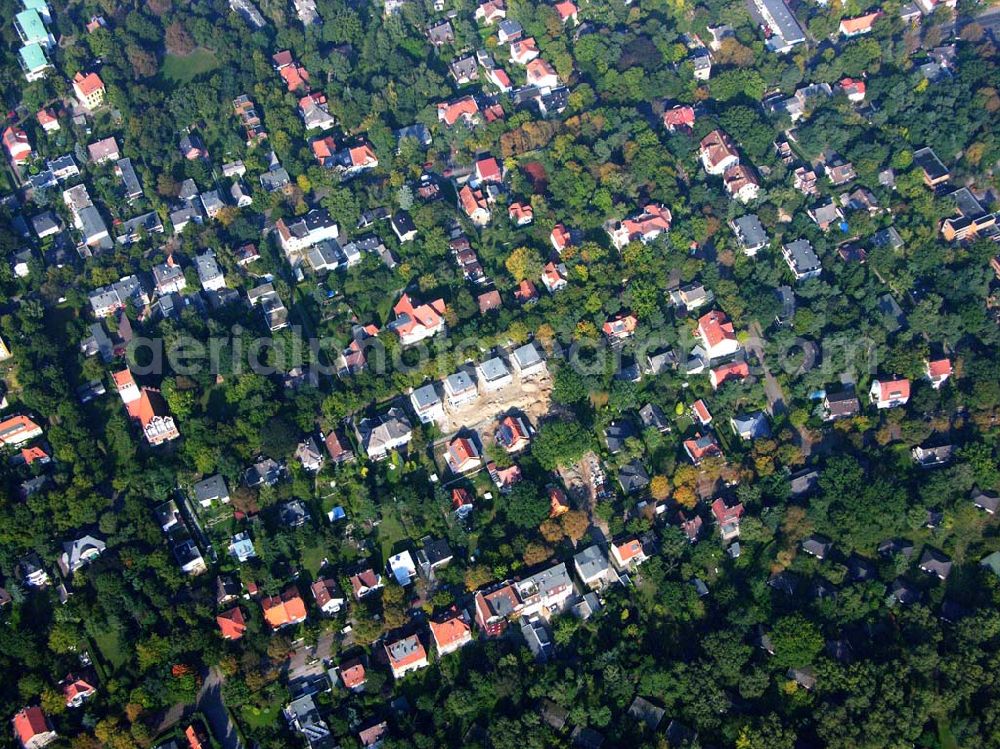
[861, 25]
[405, 654]
[702, 447]
[427, 404]
[889, 393]
[802, 259]
[680, 117]
[415, 322]
[717, 335]
[76, 690]
[475, 205]
[327, 597]
[18, 429]
[303, 233]
[463, 455]
[285, 609]
[740, 183]
[381, 435]
[465, 109]
[89, 90]
[627, 555]
[643, 227]
[620, 328]
[937, 371]
[523, 51]
[750, 234]
[718, 153]
[490, 12]
[450, 631]
[541, 74]
[146, 407]
[231, 624]
[728, 518]
[315, 112]
[32, 728]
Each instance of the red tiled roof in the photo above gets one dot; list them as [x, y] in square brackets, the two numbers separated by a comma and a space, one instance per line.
[450, 112]
[231, 623]
[30, 454]
[518, 211]
[450, 631]
[526, 291]
[296, 77]
[717, 147]
[488, 170]
[565, 9]
[702, 412]
[363, 155]
[472, 200]
[73, 687]
[629, 550]
[737, 370]
[324, 590]
[428, 315]
[680, 116]
[560, 236]
[724, 512]
[892, 389]
[30, 722]
[88, 84]
[715, 328]
[462, 451]
[285, 608]
[324, 148]
[352, 673]
[558, 504]
[939, 368]
[860, 24]
[460, 498]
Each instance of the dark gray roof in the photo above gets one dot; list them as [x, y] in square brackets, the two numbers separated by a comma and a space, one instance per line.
[750, 232]
[633, 477]
[211, 488]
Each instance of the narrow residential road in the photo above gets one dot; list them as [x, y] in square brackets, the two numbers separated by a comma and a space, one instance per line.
[775, 396]
[210, 703]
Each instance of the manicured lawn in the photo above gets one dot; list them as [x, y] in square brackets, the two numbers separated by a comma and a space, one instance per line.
[390, 530]
[179, 69]
[945, 736]
[110, 645]
[312, 558]
[257, 719]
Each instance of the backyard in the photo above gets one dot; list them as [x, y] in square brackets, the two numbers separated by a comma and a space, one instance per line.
[178, 69]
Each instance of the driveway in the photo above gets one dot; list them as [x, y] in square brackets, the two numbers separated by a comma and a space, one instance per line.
[775, 395]
[214, 709]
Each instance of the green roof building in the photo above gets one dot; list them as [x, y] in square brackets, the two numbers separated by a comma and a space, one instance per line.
[31, 28]
[34, 63]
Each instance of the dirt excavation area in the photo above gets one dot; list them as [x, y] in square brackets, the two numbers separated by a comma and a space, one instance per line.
[530, 397]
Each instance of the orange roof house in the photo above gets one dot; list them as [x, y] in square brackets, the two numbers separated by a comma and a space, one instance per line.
[18, 429]
[31, 728]
[737, 370]
[284, 609]
[89, 89]
[474, 205]
[405, 655]
[701, 412]
[31, 454]
[193, 737]
[620, 327]
[524, 51]
[643, 227]
[860, 25]
[560, 238]
[465, 109]
[450, 632]
[679, 117]
[47, 120]
[628, 554]
[415, 322]
[76, 690]
[567, 11]
[717, 334]
[463, 455]
[540, 73]
[558, 504]
[938, 371]
[521, 214]
[296, 77]
[231, 623]
[889, 393]
[352, 673]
